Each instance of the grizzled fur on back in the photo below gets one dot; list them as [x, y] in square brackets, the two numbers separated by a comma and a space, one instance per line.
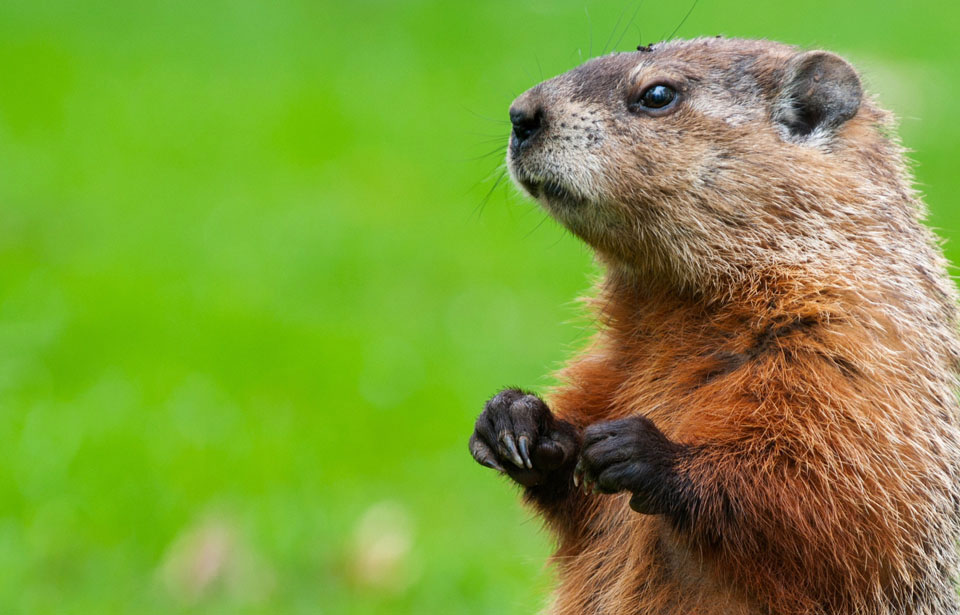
[774, 306]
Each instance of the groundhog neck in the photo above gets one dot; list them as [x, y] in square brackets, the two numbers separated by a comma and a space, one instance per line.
[859, 317]
[627, 299]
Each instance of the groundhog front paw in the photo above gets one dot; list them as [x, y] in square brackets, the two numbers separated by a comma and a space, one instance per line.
[518, 435]
[632, 455]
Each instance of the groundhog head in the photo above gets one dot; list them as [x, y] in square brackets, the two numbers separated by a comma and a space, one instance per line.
[707, 157]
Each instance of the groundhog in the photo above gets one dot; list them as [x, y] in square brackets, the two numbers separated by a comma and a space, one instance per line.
[766, 420]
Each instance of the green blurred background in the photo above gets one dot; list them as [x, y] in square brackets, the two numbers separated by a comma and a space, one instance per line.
[253, 293]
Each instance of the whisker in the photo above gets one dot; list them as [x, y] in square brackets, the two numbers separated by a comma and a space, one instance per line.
[500, 166]
[530, 76]
[629, 23]
[489, 138]
[488, 143]
[500, 150]
[563, 235]
[485, 117]
[616, 27]
[539, 224]
[590, 28]
[478, 210]
[683, 21]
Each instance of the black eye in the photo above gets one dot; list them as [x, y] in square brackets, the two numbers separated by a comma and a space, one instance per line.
[656, 97]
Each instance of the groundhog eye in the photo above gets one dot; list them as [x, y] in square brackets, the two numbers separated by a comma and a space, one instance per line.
[656, 97]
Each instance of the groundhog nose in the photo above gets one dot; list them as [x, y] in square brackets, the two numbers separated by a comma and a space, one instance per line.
[527, 121]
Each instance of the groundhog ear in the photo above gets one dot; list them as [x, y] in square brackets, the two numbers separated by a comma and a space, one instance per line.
[820, 91]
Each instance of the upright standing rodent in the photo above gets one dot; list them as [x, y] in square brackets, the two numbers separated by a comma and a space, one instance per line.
[766, 421]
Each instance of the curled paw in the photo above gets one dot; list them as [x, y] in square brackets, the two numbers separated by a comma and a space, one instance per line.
[632, 455]
[518, 435]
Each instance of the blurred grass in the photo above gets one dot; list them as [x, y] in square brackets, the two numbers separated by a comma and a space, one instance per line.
[251, 296]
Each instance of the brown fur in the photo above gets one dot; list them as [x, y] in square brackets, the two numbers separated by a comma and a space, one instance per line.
[774, 303]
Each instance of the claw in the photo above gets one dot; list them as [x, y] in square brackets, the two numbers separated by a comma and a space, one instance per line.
[577, 474]
[524, 443]
[588, 486]
[493, 464]
[511, 446]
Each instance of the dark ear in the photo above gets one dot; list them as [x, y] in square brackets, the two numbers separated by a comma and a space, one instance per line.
[820, 90]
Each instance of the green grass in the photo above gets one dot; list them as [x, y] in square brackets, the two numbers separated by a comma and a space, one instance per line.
[251, 300]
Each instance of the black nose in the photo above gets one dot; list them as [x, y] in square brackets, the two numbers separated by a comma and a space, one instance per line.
[527, 122]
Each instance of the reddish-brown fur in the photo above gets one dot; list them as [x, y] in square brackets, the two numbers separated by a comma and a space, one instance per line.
[790, 320]
[788, 432]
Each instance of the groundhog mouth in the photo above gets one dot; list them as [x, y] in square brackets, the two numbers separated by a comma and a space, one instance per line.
[550, 190]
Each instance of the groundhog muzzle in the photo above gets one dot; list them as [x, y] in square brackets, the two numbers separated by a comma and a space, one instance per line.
[766, 420]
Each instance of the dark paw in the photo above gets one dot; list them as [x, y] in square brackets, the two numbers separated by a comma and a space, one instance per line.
[630, 455]
[518, 435]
